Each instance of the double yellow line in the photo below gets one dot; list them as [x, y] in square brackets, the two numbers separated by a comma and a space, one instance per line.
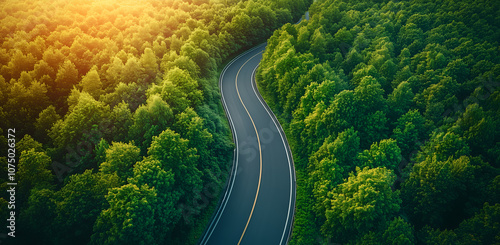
[258, 141]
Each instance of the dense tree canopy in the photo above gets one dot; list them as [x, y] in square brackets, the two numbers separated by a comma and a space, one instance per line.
[119, 112]
[410, 87]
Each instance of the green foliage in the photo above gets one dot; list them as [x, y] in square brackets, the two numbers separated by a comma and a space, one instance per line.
[91, 83]
[122, 118]
[384, 154]
[330, 165]
[398, 231]
[400, 100]
[129, 218]
[363, 203]
[67, 74]
[33, 172]
[444, 146]
[190, 126]
[80, 201]
[417, 82]
[149, 120]
[180, 90]
[174, 153]
[429, 235]
[150, 172]
[76, 77]
[434, 188]
[482, 228]
[44, 123]
[410, 131]
[120, 158]
[40, 214]
[86, 114]
[27, 143]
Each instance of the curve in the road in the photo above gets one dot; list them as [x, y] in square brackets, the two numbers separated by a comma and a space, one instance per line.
[258, 143]
[287, 149]
[267, 183]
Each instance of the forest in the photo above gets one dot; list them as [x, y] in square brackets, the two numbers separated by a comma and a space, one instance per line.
[391, 109]
[120, 135]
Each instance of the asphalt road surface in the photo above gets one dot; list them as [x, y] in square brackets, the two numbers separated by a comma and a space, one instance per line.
[259, 203]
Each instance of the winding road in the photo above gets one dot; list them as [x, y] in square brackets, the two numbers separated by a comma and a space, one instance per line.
[259, 202]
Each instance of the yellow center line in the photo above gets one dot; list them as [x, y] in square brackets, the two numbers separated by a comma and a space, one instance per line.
[258, 141]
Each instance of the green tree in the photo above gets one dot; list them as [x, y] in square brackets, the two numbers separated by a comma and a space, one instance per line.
[172, 60]
[318, 44]
[80, 202]
[202, 59]
[150, 120]
[132, 94]
[400, 100]
[458, 70]
[91, 83]
[411, 37]
[410, 131]
[132, 71]
[44, 123]
[27, 143]
[120, 158]
[149, 172]
[174, 154]
[149, 63]
[191, 127]
[67, 76]
[113, 73]
[482, 228]
[433, 187]
[386, 154]
[130, 217]
[33, 173]
[443, 146]
[100, 151]
[180, 90]
[86, 115]
[477, 128]
[330, 165]
[438, 96]
[352, 59]
[428, 235]
[39, 215]
[398, 231]
[363, 203]
[122, 119]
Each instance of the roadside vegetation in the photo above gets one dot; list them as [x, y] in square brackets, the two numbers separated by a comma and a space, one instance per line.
[121, 136]
[392, 112]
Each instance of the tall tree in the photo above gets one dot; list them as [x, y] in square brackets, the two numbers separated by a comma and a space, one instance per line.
[91, 83]
[80, 202]
[130, 217]
[33, 173]
[120, 158]
[364, 202]
[432, 189]
[386, 154]
[330, 165]
[174, 154]
[167, 214]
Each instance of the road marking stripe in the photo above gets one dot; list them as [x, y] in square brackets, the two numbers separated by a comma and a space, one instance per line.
[286, 151]
[258, 142]
[232, 175]
[218, 215]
